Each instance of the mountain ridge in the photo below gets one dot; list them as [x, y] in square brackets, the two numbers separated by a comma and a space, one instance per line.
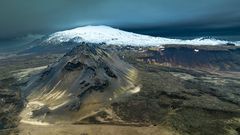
[108, 35]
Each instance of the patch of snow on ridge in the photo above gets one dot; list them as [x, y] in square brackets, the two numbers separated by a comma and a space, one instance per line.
[109, 35]
[196, 50]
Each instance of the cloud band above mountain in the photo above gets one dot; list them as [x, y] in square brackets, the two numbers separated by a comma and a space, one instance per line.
[19, 17]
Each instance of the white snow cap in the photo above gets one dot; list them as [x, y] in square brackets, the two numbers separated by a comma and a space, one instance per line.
[109, 35]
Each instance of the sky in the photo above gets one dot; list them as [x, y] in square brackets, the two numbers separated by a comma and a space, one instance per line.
[155, 17]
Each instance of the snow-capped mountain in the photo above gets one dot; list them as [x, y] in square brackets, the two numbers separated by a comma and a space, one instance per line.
[109, 35]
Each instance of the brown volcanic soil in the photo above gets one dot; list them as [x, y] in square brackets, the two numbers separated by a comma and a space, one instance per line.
[93, 130]
[200, 57]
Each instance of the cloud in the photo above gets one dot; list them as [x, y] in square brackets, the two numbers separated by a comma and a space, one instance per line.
[19, 17]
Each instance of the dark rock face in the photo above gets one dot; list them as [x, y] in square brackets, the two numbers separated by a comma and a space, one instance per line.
[230, 44]
[238, 130]
[109, 72]
[99, 84]
[46, 73]
[75, 106]
[72, 66]
[42, 110]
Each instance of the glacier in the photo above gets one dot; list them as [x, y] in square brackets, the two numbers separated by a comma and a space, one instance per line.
[113, 36]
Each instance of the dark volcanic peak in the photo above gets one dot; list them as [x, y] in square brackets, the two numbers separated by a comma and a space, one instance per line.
[87, 74]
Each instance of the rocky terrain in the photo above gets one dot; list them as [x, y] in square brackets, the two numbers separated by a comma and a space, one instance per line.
[163, 90]
[11, 104]
[184, 94]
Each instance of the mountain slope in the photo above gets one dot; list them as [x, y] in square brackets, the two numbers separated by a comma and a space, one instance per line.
[85, 80]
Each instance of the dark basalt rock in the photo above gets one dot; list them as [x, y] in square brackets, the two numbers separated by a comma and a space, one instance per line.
[238, 130]
[230, 44]
[72, 66]
[74, 106]
[91, 68]
[109, 72]
[87, 84]
[45, 73]
[40, 111]
[82, 82]
[99, 85]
